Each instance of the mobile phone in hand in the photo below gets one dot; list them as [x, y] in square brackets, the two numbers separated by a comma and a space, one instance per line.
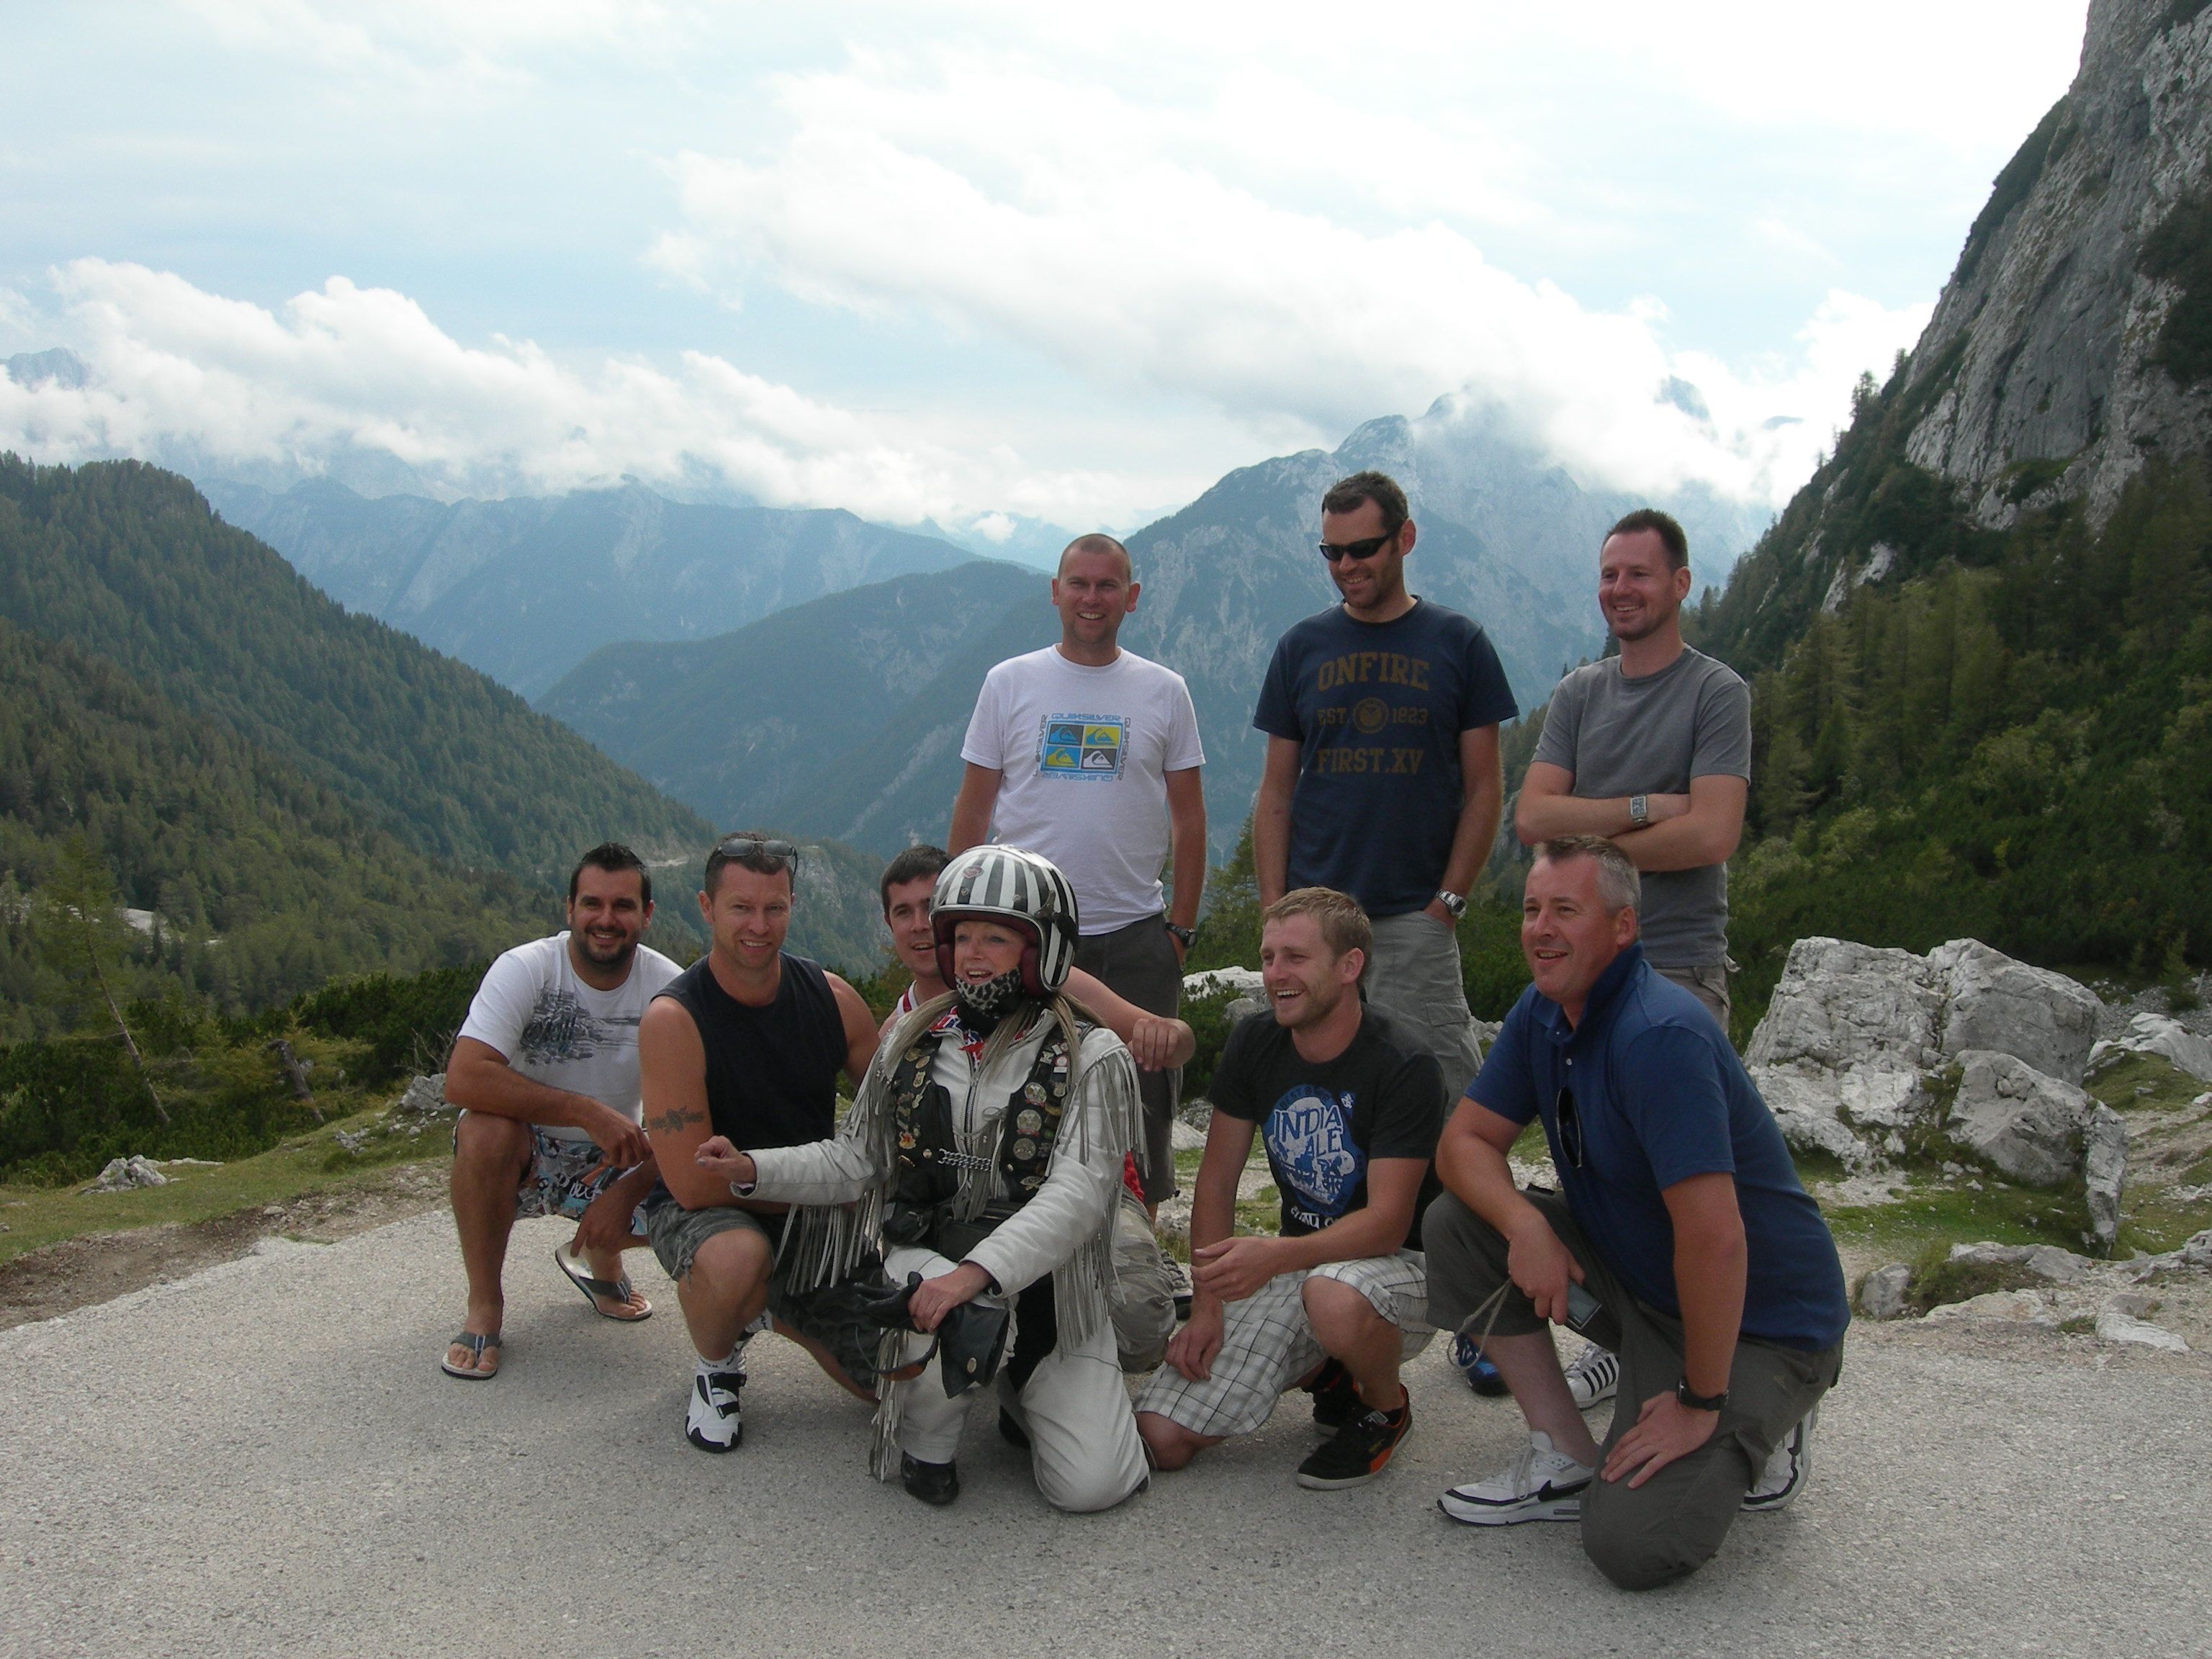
[1581, 1308]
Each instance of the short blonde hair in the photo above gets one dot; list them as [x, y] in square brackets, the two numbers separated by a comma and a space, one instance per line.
[1344, 926]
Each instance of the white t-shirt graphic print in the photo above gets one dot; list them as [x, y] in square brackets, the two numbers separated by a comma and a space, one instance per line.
[1084, 753]
[557, 1031]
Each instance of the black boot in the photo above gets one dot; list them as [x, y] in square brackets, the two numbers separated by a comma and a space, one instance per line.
[933, 1482]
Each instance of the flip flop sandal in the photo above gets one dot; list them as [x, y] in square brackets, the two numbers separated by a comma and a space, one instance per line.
[617, 1290]
[476, 1342]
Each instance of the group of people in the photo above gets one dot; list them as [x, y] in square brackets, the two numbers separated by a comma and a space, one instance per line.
[977, 1222]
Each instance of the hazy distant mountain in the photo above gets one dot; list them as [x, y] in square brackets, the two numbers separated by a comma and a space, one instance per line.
[842, 717]
[525, 588]
[1035, 542]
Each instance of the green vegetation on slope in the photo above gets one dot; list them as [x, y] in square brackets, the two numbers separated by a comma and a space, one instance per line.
[125, 562]
[2019, 749]
[264, 885]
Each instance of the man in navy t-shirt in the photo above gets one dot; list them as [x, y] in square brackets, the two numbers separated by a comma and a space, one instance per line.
[1382, 778]
[1682, 1240]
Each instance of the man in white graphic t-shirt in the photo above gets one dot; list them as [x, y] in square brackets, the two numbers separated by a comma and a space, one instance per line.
[1090, 755]
[545, 1071]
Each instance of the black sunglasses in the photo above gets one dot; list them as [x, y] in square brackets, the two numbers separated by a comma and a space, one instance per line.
[1367, 549]
[1570, 1126]
[745, 847]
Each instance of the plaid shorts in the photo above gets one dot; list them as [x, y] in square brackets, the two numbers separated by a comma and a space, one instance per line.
[1267, 1346]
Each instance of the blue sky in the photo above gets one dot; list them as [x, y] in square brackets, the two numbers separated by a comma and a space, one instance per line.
[970, 257]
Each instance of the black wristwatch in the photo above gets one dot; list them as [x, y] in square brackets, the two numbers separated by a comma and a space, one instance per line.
[1699, 1402]
[1182, 934]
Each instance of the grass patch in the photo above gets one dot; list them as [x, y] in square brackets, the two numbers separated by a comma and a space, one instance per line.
[1937, 1280]
[39, 1216]
[1932, 1215]
[1261, 1214]
[2143, 1083]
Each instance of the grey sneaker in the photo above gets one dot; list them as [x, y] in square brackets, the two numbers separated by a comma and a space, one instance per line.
[1594, 1377]
[1541, 1483]
[1787, 1470]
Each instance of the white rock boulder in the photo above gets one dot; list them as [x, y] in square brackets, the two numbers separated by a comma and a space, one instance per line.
[2018, 1307]
[426, 1096]
[1244, 982]
[1848, 1051]
[1992, 1002]
[1882, 1295]
[2115, 1324]
[2025, 1125]
[2155, 1033]
[2104, 1171]
[1841, 1005]
[123, 1174]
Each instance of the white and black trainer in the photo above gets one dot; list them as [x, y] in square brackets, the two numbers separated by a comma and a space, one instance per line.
[713, 1423]
[1788, 1468]
[1594, 1377]
[1541, 1483]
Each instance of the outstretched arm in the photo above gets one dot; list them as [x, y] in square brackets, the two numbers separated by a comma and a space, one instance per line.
[1156, 1042]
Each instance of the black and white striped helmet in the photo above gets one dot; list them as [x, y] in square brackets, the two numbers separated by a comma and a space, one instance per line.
[1025, 890]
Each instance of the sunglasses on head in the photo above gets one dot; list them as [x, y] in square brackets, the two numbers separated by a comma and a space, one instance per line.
[1334, 551]
[746, 847]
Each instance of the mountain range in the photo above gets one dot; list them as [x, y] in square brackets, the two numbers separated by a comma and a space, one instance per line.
[527, 587]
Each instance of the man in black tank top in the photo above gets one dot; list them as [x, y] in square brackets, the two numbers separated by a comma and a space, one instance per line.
[748, 1043]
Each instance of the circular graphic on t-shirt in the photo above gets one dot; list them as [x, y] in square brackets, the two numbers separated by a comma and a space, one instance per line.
[1316, 1163]
[1370, 715]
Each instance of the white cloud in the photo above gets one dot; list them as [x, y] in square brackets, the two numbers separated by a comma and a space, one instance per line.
[1065, 219]
[176, 371]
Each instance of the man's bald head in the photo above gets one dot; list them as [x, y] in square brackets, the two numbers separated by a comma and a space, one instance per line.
[1097, 541]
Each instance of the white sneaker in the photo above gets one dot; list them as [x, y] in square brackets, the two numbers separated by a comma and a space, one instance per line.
[1541, 1483]
[1593, 1376]
[1787, 1469]
[713, 1423]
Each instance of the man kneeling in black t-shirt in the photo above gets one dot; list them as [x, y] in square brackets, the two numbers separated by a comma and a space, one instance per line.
[1349, 1109]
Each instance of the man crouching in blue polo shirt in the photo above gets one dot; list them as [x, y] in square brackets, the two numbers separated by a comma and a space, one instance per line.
[1682, 1241]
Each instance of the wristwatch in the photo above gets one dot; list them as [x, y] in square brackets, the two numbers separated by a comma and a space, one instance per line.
[1453, 902]
[1640, 810]
[1699, 1402]
[1182, 934]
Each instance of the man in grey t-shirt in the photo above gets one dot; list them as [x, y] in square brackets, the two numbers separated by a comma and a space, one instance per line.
[1652, 750]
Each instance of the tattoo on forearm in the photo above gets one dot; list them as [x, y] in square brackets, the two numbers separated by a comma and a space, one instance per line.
[673, 1120]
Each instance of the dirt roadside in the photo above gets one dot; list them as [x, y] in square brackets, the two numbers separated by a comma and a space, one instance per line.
[94, 1267]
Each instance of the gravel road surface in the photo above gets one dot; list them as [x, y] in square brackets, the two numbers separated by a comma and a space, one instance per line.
[264, 1459]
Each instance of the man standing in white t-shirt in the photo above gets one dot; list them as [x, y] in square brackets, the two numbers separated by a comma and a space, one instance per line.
[545, 1071]
[1089, 754]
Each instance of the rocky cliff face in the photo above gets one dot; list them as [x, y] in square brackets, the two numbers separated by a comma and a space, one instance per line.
[2070, 350]
[2052, 353]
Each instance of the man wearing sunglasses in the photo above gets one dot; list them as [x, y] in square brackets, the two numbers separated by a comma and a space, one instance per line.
[747, 1043]
[1381, 777]
[1680, 1240]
